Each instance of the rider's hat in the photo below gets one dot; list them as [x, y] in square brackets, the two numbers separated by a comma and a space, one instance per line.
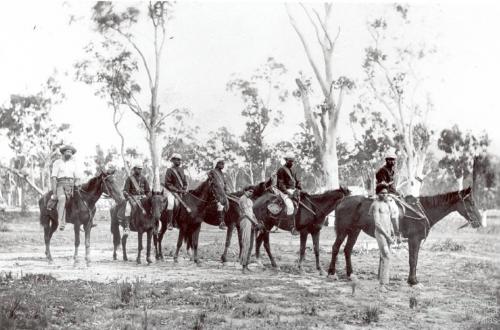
[67, 147]
[391, 154]
[218, 160]
[289, 156]
[176, 156]
[137, 163]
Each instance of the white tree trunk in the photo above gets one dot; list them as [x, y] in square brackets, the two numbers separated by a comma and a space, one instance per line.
[330, 163]
[155, 159]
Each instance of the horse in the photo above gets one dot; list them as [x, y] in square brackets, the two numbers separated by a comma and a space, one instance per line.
[351, 216]
[80, 210]
[139, 222]
[202, 207]
[309, 218]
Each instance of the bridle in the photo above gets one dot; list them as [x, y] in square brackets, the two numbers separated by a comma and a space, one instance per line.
[467, 213]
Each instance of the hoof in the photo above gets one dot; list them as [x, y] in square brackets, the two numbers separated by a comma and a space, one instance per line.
[301, 270]
[149, 261]
[198, 263]
[322, 272]
[245, 271]
[176, 261]
[352, 277]
[125, 258]
[50, 261]
[417, 286]
[161, 258]
[333, 277]
[138, 261]
[114, 257]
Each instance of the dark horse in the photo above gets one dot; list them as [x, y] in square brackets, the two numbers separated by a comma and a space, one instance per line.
[139, 222]
[232, 217]
[202, 207]
[80, 210]
[309, 220]
[351, 216]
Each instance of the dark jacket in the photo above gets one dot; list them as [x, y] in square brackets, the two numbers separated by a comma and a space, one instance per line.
[217, 176]
[385, 175]
[141, 181]
[172, 182]
[287, 181]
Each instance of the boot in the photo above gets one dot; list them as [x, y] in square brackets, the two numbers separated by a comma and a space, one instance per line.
[62, 224]
[222, 224]
[126, 228]
[170, 218]
[294, 231]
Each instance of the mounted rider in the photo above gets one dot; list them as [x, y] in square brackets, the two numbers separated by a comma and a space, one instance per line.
[216, 175]
[136, 187]
[386, 178]
[175, 183]
[289, 186]
[65, 175]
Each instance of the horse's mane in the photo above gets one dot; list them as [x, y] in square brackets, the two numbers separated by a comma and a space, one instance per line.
[444, 199]
[86, 186]
[342, 190]
[200, 189]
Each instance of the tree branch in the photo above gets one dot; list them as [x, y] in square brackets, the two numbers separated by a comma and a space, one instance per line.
[321, 80]
[23, 176]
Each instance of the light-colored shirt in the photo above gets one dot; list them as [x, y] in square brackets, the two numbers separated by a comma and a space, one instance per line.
[246, 205]
[65, 169]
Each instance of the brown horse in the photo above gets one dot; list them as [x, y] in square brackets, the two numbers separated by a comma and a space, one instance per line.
[202, 207]
[351, 216]
[80, 210]
[309, 218]
[139, 222]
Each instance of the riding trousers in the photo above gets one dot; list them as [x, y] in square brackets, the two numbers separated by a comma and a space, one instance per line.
[288, 201]
[64, 190]
[171, 200]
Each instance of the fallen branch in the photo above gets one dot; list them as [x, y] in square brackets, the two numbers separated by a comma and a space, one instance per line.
[23, 176]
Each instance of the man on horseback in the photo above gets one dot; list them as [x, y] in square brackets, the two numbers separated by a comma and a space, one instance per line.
[176, 183]
[216, 175]
[385, 176]
[136, 187]
[64, 177]
[289, 186]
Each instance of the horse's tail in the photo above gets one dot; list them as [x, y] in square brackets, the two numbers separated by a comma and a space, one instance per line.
[246, 240]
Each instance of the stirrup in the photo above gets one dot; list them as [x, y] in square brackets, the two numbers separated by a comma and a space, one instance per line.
[62, 226]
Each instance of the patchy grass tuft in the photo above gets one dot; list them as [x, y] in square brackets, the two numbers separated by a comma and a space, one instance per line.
[448, 245]
[371, 314]
[253, 298]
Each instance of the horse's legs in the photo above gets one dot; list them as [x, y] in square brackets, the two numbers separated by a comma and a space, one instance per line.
[139, 246]
[258, 242]
[149, 233]
[252, 237]
[194, 241]
[351, 240]
[229, 234]
[88, 228]
[335, 251]
[115, 230]
[48, 230]
[179, 245]
[162, 232]
[414, 247]
[302, 251]
[315, 239]
[124, 247]
[267, 246]
[76, 228]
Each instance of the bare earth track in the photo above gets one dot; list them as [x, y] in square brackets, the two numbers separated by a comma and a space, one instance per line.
[459, 273]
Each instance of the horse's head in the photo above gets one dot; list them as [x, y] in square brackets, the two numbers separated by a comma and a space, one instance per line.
[467, 208]
[157, 205]
[109, 185]
[344, 190]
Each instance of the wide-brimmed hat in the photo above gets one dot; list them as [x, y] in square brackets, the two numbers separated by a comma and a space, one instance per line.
[67, 147]
[176, 156]
[289, 157]
[391, 154]
[219, 160]
[137, 164]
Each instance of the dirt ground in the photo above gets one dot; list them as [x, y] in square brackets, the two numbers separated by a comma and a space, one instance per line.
[459, 273]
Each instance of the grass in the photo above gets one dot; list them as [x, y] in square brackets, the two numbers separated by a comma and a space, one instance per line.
[371, 314]
[448, 245]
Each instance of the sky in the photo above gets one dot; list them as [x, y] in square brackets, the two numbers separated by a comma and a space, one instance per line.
[212, 41]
